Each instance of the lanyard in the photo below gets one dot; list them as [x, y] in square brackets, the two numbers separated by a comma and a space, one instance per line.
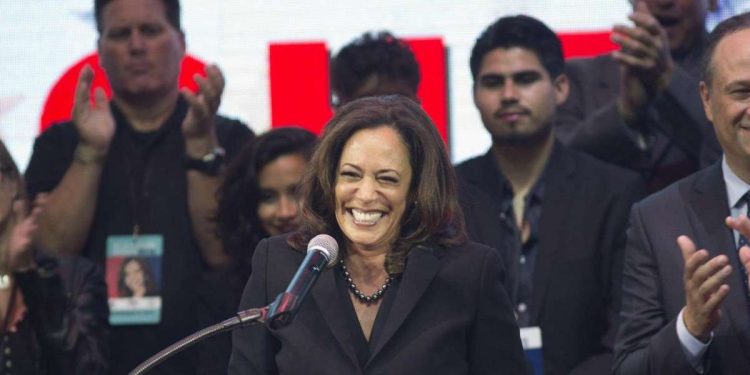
[138, 160]
[138, 171]
[137, 155]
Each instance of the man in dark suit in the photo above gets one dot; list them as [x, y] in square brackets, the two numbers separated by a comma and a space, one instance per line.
[639, 106]
[685, 303]
[556, 215]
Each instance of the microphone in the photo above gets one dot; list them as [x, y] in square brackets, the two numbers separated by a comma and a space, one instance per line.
[321, 251]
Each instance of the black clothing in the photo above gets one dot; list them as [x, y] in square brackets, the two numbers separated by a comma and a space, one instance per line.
[581, 235]
[218, 297]
[64, 330]
[672, 138]
[450, 315]
[362, 347]
[527, 250]
[143, 182]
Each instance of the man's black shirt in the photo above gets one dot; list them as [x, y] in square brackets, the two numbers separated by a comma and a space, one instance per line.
[143, 182]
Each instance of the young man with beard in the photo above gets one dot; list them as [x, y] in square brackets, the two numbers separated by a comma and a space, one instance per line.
[557, 216]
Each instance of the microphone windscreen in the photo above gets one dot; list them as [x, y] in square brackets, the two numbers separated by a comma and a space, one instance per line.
[327, 245]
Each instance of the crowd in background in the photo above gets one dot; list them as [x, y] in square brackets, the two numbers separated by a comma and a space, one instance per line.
[608, 215]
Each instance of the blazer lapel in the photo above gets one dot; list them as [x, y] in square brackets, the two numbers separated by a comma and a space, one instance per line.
[711, 208]
[332, 308]
[422, 265]
[558, 180]
[680, 89]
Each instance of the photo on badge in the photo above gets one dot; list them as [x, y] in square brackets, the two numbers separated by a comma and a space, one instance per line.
[133, 272]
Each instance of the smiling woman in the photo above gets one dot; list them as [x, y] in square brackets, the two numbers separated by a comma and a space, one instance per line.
[259, 195]
[257, 199]
[372, 184]
[397, 143]
[381, 183]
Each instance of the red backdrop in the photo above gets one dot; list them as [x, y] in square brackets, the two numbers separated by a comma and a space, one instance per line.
[302, 96]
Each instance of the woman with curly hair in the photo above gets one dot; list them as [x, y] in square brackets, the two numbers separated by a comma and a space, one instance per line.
[258, 199]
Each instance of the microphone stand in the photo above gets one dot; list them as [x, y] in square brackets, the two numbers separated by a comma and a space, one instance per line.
[320, 251]
[242, 318]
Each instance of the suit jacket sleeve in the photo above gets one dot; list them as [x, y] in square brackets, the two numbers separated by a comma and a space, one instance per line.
[590, 121]
[647, 342]
[602, 132]
[253, 347]
[614, 238]
[494, 319]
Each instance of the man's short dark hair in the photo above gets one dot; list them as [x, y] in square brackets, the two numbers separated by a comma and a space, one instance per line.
[523, 32]
[379, 53]
[728, 26]
[171, 8]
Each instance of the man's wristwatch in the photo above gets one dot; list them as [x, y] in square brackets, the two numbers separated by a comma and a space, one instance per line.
[210, 164]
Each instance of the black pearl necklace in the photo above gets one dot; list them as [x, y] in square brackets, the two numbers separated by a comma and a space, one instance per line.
[357, 293]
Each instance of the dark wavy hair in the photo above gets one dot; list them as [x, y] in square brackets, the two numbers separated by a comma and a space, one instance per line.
[432, 214]
[171, 11]
[523, 32]
[238, 225]
[380, 54]
[148, 278]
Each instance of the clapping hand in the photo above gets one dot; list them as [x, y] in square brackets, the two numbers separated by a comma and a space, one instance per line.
[705, 288]
[95, 124]
[20, 254]
[645, 60]
[199, 122]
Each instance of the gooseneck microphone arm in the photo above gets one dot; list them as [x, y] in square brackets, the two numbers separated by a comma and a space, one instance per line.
[257, 315]
[321, 251]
